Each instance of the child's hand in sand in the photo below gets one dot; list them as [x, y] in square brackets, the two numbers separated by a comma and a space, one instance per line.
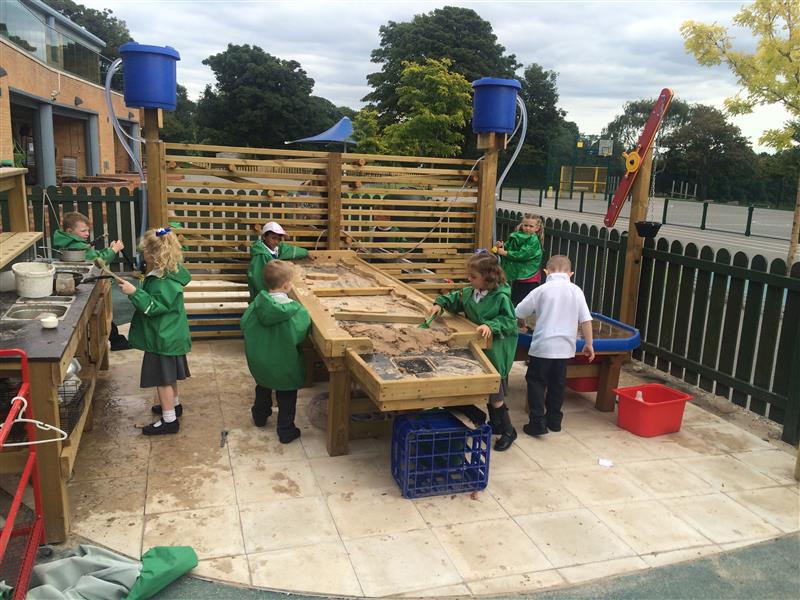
[126, 287]
[435, 311]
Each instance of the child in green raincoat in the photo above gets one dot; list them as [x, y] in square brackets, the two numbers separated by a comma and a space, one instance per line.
[521, 257]
[160, 326]
[487, 302]
[269, 247]
[273, 326]
[75, 236]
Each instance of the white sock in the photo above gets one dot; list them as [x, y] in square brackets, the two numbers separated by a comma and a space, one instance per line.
[168, 416]
[176, 401]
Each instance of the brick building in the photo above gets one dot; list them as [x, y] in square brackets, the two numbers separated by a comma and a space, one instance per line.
[53, 115]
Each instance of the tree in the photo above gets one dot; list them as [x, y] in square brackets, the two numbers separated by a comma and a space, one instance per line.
[456, 33]
[259, 100]
[540, 95]
[769, 75]
[367, 133]
[626, 128]
[710, 151]
[102, 23]
[179, 124]
[436, 104]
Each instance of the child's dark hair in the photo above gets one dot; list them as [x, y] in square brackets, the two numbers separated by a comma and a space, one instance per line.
[277, 273]
[73, 219]
[488, 267]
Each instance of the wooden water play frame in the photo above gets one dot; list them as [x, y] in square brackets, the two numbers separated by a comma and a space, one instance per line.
[341, 352]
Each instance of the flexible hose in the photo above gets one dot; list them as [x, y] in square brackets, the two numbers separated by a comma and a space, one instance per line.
[524, 122]
[121, 135]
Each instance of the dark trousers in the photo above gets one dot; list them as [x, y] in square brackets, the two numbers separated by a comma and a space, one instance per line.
[287, 406]
[520, 289]
[548, 374]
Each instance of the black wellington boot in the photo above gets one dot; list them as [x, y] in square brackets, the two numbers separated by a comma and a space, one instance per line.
[494, 420]
[507, 432]
[262, 407]
[287, 432]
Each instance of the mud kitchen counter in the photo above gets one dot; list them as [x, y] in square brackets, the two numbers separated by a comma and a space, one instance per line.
[82, 333]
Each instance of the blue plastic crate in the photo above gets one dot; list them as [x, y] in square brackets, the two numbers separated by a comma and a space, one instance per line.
[434, 453]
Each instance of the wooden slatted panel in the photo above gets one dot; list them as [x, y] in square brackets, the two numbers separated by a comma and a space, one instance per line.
[732, 323]
[713, 329]
[789, 336]
[699, 310]
[682, 317]
[619, 270]
[670, 306]
[644, 298]
[749, 331]
[765, 356]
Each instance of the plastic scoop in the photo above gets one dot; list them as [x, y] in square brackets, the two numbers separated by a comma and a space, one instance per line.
[427, 322]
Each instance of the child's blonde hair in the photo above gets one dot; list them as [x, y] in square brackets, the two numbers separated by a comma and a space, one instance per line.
[277, 273]
[538, 218]
[488, 267]
[73, 219]
[164, 249]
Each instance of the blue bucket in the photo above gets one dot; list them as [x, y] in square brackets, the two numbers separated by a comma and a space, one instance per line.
[150, 78]
[494, 105]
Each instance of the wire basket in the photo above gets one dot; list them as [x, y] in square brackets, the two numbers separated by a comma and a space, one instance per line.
[71, 396]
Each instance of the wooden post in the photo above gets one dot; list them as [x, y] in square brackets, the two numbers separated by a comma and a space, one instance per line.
[338, 408]
[13, 181]
[156, 171]
[633, 251]
[334, 201]
[485, 218]
[795, 231]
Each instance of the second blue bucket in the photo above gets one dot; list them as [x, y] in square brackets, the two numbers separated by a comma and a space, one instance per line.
[150, 75]
[494, 105]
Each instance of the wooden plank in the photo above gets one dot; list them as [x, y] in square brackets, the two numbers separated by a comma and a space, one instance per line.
[401, 213]
[659, 282]
[790, 333]
[670, 305]
[242, 150]
[367, 291]
[699, 311]
[766, 357]
[334, 182]
[467, 206]
[645, 267]
[15, 243]
[374, 317]
[730, 329]
[749, 330]
[633, 251]
[716, 310]
[338, 434]
[156, 179]
[361, 159]
[683, 314]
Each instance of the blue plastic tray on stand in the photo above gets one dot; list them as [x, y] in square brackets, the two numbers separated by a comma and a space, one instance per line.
[434, 453]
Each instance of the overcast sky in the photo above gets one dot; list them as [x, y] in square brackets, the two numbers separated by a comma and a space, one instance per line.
[605, 52]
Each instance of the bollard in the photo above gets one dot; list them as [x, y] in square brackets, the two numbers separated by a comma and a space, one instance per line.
[705, 214]
[556, 198]
[519, 196]
[664, 214]
[750, 210]
[580, 204]
[541, 193]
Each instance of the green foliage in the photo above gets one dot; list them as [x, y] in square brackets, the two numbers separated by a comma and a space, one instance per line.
[102, 23]
[456, 33]
[436, 105]
[626, 128]
[179, 124]
[259, 100]
[367, 133]
[770, 74]
[540, 94]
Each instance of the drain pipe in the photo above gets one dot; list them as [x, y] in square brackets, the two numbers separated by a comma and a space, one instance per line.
[524, 123]
[122, 135]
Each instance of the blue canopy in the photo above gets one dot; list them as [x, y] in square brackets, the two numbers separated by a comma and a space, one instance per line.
[341, 132]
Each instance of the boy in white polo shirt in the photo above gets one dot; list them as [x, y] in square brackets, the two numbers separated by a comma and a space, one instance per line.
[560, 307]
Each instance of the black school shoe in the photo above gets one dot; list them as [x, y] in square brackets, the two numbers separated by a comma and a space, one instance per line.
[535, 430]
[157, 410]
[287, 437]
[162, 428]
[118, 343]
[554, 427]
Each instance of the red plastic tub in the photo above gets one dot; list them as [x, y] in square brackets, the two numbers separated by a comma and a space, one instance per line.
[660, 411]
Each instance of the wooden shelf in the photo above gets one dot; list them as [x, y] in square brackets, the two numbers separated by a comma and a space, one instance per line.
[13, 244]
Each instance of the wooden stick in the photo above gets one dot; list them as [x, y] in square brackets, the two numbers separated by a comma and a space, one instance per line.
[333, 292]
[101, 264]
[373, 317]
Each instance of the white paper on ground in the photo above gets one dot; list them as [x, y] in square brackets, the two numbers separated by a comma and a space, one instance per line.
[605, 462]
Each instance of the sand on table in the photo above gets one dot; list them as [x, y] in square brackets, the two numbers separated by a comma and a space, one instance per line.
[395, 339]
[334, 276]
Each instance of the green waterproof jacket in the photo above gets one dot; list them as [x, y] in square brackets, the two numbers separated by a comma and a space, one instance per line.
[70, 241]
[494, 310]
[524, 256]
[273, 326]
[260, 256]
[159, 324]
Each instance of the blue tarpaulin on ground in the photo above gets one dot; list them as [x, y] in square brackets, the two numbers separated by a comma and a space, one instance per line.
[342, 132]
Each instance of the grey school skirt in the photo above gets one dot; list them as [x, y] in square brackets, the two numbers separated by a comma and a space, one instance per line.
[158, 369]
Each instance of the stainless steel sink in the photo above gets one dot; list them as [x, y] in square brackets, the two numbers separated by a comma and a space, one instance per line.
[31, 311]
[48, 300]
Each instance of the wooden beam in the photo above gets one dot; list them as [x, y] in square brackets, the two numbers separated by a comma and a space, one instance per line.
[334, 200]
[333, 292]
[633, 250]
[486, 205]
[156, 171]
